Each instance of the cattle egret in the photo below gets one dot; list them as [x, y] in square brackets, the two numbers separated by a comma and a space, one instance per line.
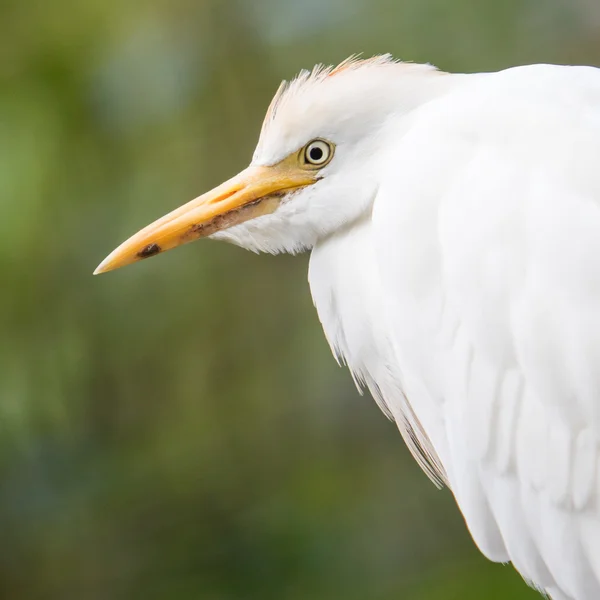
[454, 228]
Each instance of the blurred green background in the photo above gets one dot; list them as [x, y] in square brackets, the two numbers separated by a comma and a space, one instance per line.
[178, 429]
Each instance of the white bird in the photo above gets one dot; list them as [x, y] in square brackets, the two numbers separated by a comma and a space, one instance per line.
[454, 228]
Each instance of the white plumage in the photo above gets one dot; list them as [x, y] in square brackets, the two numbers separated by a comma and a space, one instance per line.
[455, 267]
[488, 250]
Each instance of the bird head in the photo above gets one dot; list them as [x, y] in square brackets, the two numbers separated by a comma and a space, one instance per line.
[315, 169]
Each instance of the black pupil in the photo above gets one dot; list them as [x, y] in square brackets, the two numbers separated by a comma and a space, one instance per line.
[316, 153]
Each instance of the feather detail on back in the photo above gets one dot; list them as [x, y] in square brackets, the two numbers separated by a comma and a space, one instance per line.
[487, 244]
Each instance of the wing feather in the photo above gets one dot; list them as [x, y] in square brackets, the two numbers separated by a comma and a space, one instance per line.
[494, 224]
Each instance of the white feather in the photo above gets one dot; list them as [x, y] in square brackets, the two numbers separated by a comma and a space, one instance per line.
[456, 269]
[498, 219]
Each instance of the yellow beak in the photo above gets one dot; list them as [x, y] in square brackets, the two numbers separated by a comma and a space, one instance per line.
[256, 191]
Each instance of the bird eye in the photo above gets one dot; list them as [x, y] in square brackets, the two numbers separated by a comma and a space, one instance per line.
[317, 153]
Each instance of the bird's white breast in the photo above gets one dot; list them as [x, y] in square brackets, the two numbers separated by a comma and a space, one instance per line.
[346, 289]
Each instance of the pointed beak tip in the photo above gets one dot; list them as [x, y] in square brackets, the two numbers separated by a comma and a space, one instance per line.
[101, 268]
[110, 263]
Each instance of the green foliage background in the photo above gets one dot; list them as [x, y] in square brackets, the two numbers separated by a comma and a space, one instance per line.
[178, 429]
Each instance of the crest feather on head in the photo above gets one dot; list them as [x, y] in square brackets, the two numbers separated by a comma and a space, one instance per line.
[320, 73]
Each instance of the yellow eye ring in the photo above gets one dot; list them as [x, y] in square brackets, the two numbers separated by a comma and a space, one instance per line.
[317, 153]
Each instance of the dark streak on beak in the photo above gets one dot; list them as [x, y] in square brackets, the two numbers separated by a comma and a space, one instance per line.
[148, 251]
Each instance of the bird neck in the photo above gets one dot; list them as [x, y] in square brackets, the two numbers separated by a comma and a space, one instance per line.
[344, 286]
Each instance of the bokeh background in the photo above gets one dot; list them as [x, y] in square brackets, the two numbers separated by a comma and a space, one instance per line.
[178, 429]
